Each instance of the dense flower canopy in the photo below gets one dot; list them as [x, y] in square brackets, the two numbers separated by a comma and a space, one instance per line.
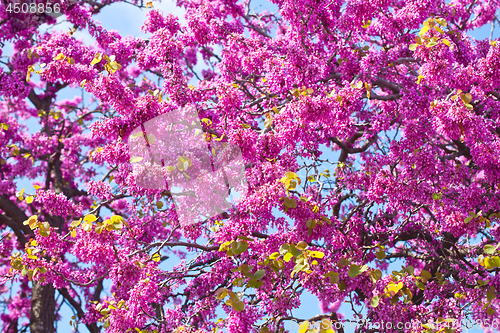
[369, 133]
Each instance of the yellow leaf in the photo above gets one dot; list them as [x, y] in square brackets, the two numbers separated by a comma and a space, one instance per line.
[466, 98]
[117, 222]
[392, 288]
[304, 327]
[136, 159]
[424, 30]
[442, 21]
[82, 84]
[60, 56]
[44, 229]
[20, 195]
[288, 256]
[32, 222]
[29, 199]
[114, 66]
[488, 263]
[97, 59]
[73, 233]
[156, 257]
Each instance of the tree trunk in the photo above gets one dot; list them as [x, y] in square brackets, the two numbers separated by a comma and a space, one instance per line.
[43, 308]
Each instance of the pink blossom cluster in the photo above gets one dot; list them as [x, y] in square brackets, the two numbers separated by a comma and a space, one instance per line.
[366, 135]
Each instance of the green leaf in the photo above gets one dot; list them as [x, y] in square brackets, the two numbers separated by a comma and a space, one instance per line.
[420, 285]
[311, 223]
[304, 199]
[380, 254]
[466, 98]
[254, 283]
[375, 275]
[335, 278]
[290, 202]
[437, 196]
[342, 285]
[240, 247]
[326, 219]
[259, 274]
[482, 283]
[298, 267]
[489, 249]
[301, 245]
[426, 274]
[274, 255]
[17, 264]
[293, 250]
[354, 270]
